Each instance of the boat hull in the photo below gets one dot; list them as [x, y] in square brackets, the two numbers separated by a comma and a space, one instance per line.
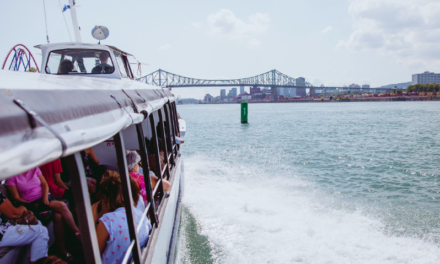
[164, 240]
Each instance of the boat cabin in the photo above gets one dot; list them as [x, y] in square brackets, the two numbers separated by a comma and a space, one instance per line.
[83, 59]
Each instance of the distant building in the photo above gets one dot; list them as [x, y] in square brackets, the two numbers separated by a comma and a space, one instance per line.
[300, 81]
[353, 85]
[255, 90]
[366, 86]
[222, 94]
[287, 92]
[292, 91]
[426, 77]
[208, 98]
[301, 92]
[280, 91]
[258, 96]
[189, 101]
[234, 92]
[242, 89]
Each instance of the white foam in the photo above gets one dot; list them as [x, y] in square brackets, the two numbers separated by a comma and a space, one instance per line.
[273, 219]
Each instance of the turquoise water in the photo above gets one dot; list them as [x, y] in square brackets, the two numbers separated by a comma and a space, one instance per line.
[312, 183]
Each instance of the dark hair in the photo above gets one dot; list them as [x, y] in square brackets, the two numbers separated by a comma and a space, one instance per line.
[152, 145]
[66, 66]
[103, 56]
[110, 191]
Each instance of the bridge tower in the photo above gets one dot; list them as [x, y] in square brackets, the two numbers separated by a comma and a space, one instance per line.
[273, 94]
[273, 89]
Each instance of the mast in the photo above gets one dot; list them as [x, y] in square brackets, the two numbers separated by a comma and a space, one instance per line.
[74, 21]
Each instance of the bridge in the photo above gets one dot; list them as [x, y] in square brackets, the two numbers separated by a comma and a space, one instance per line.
[273, 79]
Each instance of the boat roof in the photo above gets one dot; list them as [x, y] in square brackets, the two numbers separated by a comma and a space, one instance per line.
[81, 111]
[77, 45]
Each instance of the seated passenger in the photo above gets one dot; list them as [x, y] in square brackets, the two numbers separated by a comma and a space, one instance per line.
[179, 140]
[103, 67]
[152, 157]
[112, 228]
[133, 160]
[91, 166]
[30, 189]
[20, 235]
[60, 190]
[66, 66]
[52, 172]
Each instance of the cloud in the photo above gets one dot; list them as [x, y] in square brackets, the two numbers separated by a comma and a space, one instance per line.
[224, 24]
[254, 44]
[407, 30]
[338, 71]
[327, 29]
[164, 47]
[196, 25]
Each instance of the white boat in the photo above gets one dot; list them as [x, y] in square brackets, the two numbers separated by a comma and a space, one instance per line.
[82, 99]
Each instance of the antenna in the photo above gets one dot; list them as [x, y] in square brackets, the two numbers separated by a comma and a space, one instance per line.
[45, 19]
[76, 28]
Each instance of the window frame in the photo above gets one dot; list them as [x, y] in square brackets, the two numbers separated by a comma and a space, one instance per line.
[77, 73]
[125, 64]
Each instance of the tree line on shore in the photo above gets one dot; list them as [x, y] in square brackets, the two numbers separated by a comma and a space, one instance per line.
[429, 87]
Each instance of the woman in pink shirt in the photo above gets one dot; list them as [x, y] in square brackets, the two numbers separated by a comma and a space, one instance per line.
[31, 190]
[133, 160]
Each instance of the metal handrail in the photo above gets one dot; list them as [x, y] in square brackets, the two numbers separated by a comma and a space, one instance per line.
[144, 215]
[128, 252]
[164, 170]
[157, 186]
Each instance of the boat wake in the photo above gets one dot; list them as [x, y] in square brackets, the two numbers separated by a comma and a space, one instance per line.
[245, 215]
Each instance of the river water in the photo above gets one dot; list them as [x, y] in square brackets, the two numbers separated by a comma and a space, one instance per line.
[311, 183]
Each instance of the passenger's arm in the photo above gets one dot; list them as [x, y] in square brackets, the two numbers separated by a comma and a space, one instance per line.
[45, 189]
[102, 235]
[10, 211]
[153, 180]
[93, 156]
[166, 185]
[96, 214]
[59, 182]
[12, 189]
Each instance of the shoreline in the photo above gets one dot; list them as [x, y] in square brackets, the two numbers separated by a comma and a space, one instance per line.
[349, 100]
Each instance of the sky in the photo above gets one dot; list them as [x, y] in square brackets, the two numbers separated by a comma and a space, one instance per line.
[335, 43]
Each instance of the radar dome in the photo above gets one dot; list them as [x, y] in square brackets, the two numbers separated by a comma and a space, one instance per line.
[100, 32]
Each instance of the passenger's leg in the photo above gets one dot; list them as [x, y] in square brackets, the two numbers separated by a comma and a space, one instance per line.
[61, 208]
[58, 228]
[35, 235]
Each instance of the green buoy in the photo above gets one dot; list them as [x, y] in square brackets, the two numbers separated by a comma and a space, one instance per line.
[244, 112]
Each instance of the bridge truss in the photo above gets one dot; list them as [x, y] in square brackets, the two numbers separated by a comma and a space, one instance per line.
[271, 78]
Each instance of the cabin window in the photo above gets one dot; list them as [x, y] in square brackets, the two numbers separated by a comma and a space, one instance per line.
[79, 61]
[121, 64]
